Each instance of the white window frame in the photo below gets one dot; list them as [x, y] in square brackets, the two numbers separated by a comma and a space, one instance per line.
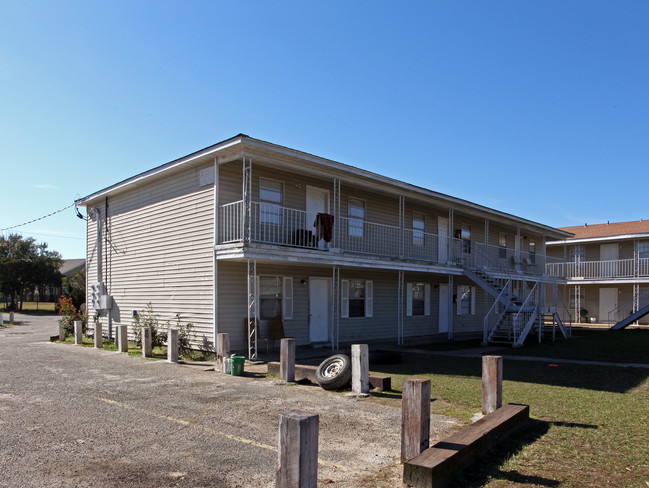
[410, 299]
[344, 299]
[502, 245]
[643, 248]
[418, 232]
[465, 235]
[355, 223]
[270, 211]
[285, 295]
[465, 294]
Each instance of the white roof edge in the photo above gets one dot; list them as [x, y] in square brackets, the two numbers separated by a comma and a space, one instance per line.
[164, 167]
[595, 239]
[252, 142]
[401, 184]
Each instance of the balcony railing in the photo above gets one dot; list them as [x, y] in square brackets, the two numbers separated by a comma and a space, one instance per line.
[270, 224]
[618, 268]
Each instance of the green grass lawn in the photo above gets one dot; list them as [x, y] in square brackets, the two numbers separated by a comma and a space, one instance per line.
[40, 307]
[590, 423]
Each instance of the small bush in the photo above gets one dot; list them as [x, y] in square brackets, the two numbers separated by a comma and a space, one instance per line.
[184, 334]
[69, 313]
[147, 318]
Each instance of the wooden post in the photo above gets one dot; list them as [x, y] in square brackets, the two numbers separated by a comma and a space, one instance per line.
[297, 453]
[147, 350]
[11, 317]
[415, 417]
[99, 338]
[78, 332]
[287, 360]
[122, 338]
[61, 330]
[492, 383]
[222, 351]
[172, 345]
[360, 369]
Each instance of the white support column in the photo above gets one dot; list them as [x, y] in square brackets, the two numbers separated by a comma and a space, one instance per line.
[451, 238]
[335, 306]
[402, 224]
[451, 315]
[247, 197]
[252, 310]
[400, 307]
[215, 269]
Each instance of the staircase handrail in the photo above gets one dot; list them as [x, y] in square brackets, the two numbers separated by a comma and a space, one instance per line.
[625, 304]
[515, 321]
[567, 309]
[485, 327]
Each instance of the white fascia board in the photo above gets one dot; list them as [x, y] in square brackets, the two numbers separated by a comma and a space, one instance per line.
[598, 239]
[87, 200]
[456, 203]
[607, 281]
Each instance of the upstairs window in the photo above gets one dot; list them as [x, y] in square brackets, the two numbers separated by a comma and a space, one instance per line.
[643, 249]
[418, 228]
[356, 214]
[502, 246]
[271, 196]
[532, 251]
[465, 235]
[577, 254]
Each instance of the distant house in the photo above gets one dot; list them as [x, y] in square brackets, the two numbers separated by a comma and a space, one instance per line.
[246, 231]
[69, 268]
[606, 267]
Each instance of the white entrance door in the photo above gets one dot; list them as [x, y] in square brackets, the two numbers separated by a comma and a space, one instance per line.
[443, 309]
[607, 303]
[317, 201]
[608, 254]
[442, 240]
[318, 309]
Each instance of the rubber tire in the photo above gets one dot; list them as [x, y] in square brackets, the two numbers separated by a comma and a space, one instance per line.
[331, 378]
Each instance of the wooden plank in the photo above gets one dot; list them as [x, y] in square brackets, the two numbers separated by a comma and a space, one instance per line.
[415, 417]
[297, 453]
[435, 466]
[303, 371]
[492, 383]
[360, 369]
[287, 360]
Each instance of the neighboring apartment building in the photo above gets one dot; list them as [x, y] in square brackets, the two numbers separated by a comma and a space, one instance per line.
[247, 232]
[607, 270]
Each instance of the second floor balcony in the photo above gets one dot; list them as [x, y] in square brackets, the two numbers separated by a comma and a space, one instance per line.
[282, 226]
[598, 270]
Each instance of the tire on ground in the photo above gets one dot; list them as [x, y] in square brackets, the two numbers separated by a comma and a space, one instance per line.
[335, 372]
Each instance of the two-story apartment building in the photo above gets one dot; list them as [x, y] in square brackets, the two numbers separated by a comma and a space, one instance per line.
[607, 270]
[247, 232]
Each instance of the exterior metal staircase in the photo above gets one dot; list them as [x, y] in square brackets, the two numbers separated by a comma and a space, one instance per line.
[520, 316]
[631, 318]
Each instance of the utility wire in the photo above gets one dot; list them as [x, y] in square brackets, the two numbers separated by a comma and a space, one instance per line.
[36, 220]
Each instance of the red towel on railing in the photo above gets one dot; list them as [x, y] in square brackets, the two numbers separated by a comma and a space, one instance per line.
[324, 226]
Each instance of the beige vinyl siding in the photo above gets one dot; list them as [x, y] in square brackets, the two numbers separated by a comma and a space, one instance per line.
[160, 250]
[423, 325]
[470, 322]
[230, 182]
[233, 302]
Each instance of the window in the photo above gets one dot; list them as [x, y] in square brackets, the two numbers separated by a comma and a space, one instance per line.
[270, 201]
[465, 235]
[643, 249]
[356, 213]
[275, 297]
[502, 246]
[418, 228]
[532, 251]
[418, 299]
[577, 254]
[465, 300]
[357, 298]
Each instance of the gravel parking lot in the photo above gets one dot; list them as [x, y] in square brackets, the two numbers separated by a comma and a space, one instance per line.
[79, 417]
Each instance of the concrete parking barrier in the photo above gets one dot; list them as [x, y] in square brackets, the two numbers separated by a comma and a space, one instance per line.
[223, 352]
[99, 337]
[122, 338]
[147, 349]
[78, 332]
[172, 345]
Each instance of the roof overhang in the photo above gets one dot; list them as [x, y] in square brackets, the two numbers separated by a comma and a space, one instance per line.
[586, 240]
[242, 145]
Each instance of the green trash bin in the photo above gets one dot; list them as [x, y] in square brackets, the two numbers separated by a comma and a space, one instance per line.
[236, 365]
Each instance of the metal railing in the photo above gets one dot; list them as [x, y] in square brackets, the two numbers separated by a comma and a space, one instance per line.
[272, 224]
[618, 268]
[628, 307]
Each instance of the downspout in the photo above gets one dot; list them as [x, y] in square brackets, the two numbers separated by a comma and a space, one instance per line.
[215, 295]
[107, 250]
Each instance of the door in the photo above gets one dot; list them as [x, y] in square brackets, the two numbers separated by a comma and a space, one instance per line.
[608, 255]
[317, 201]
[443, 309]
[319, 309]
[607, 303]
[442, 240]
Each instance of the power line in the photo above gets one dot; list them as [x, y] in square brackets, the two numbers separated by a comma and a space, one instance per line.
[36, 220]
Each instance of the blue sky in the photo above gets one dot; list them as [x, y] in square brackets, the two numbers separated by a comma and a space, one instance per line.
[540, 109]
